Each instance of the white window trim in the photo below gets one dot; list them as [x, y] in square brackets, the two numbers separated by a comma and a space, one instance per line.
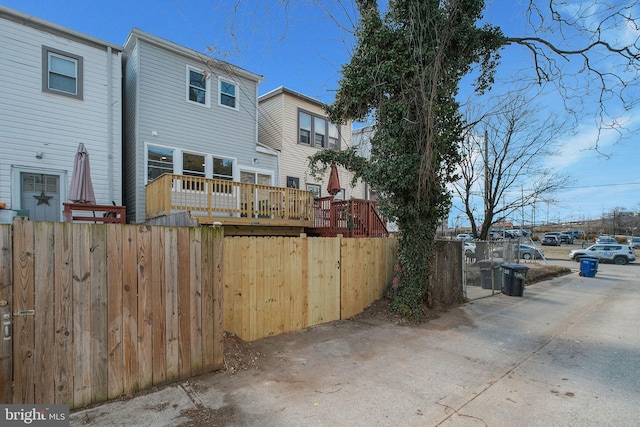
[259, 171]
[162, 147]
[237, 96]
[207, 96]
[16, 195]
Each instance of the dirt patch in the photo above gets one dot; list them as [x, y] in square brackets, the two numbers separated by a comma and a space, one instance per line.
[540, 272]
[203, 416]
[239, 355]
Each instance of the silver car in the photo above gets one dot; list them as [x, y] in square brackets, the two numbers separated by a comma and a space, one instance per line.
[616, 253]
[525, 251]
[634, 242]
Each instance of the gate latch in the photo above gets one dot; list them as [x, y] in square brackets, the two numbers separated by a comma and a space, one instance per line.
[6, 327]
[24, 313]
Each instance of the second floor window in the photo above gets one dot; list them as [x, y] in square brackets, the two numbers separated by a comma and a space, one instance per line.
[197, 86]
[61, 73]
[228, 94]
[317, 131]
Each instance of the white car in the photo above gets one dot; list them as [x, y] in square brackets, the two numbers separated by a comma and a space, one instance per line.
[616, 253]
[464, 236]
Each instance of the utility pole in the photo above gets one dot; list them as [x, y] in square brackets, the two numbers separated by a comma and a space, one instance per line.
[486, 174]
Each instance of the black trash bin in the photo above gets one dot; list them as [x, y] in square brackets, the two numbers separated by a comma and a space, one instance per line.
[513, 279]
[490, 276]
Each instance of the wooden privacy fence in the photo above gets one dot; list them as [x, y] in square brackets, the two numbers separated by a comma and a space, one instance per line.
[274, 285]
[100, 311]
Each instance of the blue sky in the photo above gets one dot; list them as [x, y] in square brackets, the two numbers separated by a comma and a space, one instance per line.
[304, 48]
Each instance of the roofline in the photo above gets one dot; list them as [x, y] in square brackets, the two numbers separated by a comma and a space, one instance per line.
[286, 91]
[137, 33]
[50, 27]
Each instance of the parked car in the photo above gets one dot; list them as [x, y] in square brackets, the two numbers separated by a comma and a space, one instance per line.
[507, 234]
[551, 240]
[603, 240]
[464, 236]
[526, 252]
[616, 253]
[634, 242]
[563, 237]
[470, 250]
[575, 233]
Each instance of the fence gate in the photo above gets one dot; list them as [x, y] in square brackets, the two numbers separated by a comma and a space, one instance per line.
[6, 295]
[94, 312]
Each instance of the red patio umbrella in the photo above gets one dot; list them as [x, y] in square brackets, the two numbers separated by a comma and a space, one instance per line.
[333, 186]
[81, 190]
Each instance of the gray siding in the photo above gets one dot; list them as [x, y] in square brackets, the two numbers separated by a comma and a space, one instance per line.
[130, 178]
[159, 113]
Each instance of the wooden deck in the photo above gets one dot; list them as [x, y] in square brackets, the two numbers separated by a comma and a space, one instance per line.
[250, 209]
[351, 218]
[228, 202]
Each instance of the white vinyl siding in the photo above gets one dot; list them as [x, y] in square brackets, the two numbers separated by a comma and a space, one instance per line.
[36, 121]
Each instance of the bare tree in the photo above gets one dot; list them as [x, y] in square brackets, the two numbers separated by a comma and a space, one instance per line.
[505, 164]
[590, 53]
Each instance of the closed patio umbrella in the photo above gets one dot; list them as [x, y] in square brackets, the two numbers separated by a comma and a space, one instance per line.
[81, 190]
[333, 186]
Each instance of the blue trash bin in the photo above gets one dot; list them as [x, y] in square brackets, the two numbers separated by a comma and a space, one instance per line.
[588, 267]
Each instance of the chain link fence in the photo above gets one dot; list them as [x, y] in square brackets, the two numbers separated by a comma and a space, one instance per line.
[483, 260]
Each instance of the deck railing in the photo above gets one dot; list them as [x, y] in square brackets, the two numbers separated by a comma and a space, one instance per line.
[229, 202]
[351, 218]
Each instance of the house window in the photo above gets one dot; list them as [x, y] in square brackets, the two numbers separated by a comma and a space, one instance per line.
[314, 189]
[320, 127]
[317, 131]
[159, 161]
[340, 195]
[334, 137]
[61, 73]
[293, 182]
[255, 178]
[197, 86]
[193, 165]
[223, 168]
[305, 128]
[228, 94]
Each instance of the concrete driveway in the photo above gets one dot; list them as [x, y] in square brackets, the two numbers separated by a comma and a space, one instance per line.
[567, 353]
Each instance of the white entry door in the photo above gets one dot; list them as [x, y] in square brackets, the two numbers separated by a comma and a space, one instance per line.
[40, 195]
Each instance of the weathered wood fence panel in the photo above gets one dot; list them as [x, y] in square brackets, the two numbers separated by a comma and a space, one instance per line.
[6, 298]
[447, 270]
[275, 285]
[104, 310]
